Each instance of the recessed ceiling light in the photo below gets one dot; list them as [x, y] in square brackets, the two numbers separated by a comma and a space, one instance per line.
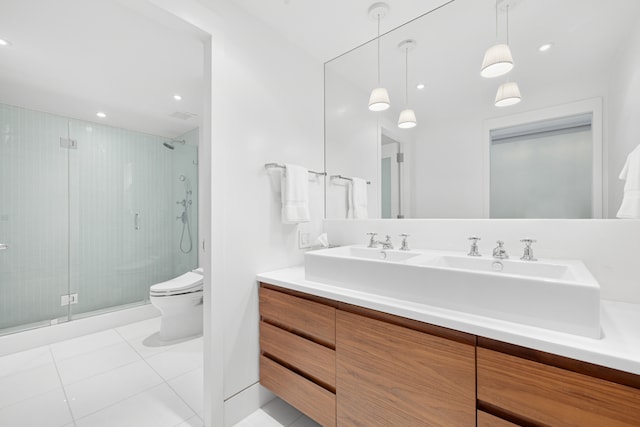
[4, 42]
[177, 97]
[101, 114]
[420, 86]
[545, 47]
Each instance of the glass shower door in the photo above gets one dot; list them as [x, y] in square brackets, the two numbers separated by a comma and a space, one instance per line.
[34, 219]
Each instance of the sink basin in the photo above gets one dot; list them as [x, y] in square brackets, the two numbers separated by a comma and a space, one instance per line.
[560, 295]
[372, 253]
[539, 269]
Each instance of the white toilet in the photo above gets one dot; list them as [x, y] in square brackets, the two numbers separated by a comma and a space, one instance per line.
[180, 303]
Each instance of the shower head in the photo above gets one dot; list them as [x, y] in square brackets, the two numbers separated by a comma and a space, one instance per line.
[170, 145]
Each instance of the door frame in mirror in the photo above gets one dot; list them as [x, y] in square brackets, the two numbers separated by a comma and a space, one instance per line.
[593, 106]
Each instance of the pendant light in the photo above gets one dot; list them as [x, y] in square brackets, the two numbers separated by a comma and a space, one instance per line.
[497, 59]
[379, 99]
[509, 92]
[407, 119]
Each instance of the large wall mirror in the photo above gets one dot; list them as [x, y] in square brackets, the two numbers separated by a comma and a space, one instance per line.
[555, 154]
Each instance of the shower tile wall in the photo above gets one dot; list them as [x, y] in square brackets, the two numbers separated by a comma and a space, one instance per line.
[33, 217]
[91, 196]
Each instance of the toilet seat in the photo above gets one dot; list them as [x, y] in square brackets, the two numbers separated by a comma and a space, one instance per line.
[187, 283]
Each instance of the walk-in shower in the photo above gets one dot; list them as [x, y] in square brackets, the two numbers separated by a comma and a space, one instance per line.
[88, 216]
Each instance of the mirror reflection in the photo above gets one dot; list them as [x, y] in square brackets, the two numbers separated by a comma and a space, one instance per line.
[557, 153]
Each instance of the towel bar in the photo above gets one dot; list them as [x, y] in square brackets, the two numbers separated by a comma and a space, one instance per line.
[275, 165]
[344, 177]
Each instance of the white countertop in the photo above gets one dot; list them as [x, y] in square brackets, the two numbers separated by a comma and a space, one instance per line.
[619, 347]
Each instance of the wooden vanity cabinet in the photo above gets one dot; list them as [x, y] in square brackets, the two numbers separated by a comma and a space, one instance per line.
[344, 365]
[392, 375]
[297, 352]
[348, 366]
[532, 388]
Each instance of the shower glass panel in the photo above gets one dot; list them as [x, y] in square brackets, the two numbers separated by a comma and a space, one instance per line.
[34, 219]
[101, 221]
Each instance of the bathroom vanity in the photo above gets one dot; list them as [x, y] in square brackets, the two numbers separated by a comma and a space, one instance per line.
[350, 357]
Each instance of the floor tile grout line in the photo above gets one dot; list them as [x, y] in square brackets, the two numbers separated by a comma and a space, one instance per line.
[85, 352]
[296, 420]
[20, 370]
[37, 394]
[64, 390]
[174, 390]
[119, 401]
[184, 401]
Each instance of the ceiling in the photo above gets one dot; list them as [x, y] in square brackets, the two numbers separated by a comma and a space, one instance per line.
[586, 37]
[77, 57]
[328, 28]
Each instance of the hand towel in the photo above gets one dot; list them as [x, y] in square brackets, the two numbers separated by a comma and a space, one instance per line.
[295, 194]
[630, 207]
[357, 200]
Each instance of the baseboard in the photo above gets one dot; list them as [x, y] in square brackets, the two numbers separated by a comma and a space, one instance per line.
[241, 405]
[33, 338]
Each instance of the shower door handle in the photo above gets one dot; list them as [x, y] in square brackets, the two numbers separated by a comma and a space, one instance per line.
[3, 246]
[136, 221]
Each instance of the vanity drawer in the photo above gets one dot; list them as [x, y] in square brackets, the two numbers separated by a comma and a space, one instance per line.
[309, 319]
[309, 398]
[553, 396]
[311, 359]
[488, 420]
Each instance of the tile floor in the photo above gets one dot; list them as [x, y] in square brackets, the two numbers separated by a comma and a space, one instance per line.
[277, 413]
[120, 377]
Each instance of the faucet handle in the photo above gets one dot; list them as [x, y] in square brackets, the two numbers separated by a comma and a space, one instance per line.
[528, 250]
[372, 240]
[405, 245]
[473, 251]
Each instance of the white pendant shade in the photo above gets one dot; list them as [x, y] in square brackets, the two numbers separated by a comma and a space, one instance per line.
[497, 61]
[379, 99]
[407, 119]
[508, 94]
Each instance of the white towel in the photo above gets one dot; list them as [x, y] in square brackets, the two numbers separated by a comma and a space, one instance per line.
[295, 194]
[357, 199]
[630, 207]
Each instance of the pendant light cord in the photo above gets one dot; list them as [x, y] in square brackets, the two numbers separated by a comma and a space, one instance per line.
[378, 49]
[406, 75]
[507, 25]
[496, 19]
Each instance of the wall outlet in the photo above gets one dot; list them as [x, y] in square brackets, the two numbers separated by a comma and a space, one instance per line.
[304, 239]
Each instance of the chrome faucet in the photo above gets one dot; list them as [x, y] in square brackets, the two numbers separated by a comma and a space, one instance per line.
[473, 251]
[528, 250]
[405, 245]
[387, 243]
[373, 243]
[499, 251]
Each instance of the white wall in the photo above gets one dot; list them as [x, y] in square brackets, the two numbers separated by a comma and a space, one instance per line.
[609, 248]
[624, 111]
[267, 106]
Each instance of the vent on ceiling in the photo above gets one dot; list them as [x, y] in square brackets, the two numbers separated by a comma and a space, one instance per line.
[183, 115]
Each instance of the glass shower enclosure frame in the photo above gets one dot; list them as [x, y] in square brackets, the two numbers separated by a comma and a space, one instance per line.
[90, 216]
